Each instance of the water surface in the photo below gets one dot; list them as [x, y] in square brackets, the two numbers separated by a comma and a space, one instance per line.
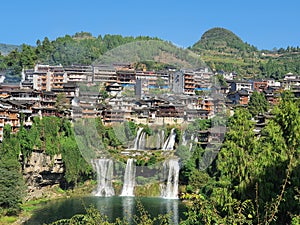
[112, 207]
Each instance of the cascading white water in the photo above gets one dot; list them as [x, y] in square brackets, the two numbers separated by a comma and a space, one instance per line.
[129, 178]
[184, 141]
[171, 176]
[104, 169]
[142, 141]
[137, 139]
[191, 143]
[170, 142]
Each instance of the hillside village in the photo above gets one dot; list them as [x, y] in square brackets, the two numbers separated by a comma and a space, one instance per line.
[119, 93]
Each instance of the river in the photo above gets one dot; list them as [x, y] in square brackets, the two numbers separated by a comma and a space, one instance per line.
[112, 207]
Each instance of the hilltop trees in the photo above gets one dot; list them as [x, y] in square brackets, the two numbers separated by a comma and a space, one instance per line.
[81, 48]
[220, 48]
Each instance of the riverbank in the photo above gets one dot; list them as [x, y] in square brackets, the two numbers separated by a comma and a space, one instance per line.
[49, 194]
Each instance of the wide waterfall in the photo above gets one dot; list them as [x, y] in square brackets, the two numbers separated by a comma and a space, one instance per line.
[104, 169]
[171, 175]
[170, 142]
[129, 178]
[157, 141]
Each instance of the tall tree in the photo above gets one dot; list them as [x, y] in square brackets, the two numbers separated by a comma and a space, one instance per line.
[258, 104]
[235, 160]
[11, 186]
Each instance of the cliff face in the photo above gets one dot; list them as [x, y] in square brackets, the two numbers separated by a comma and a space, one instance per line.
[40, 172]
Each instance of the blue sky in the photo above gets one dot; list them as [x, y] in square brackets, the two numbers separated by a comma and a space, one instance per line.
[265, 24]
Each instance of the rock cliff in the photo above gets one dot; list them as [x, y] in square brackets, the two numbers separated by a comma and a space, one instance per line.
[42, 171]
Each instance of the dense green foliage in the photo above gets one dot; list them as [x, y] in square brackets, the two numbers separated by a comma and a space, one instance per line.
[11, 186]
[81, 48]
[223, 40]
[258, 104]
[255, 179]
[11, 182]
[52, 135]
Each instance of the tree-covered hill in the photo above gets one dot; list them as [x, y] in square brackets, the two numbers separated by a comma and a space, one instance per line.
[222, 40]
[219, 48]
[222, 50]
[6, 48]
[81, 48]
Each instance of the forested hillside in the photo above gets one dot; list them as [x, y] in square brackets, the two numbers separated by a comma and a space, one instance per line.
[219, 48]
[222, 50]
[81, 48]
[6, 48]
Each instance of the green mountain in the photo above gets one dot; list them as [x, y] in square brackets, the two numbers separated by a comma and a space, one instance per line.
[6, 48]
[222, 50]
[222, 40]
[219, 48]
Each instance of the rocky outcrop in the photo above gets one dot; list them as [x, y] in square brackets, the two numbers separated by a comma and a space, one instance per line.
[41, 171]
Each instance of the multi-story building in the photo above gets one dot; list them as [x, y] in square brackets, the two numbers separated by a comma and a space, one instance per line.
[9, 114]
[239, 85]
[104, 74]
[189, 83]
[177, 82]
[203, 78]
[290, 81]
[46, 77]
[79, 73]
[260, 85]
[240, 97]
[126, 76]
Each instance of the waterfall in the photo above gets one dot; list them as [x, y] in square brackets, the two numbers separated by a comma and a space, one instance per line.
[191, 147]
[142, 141]
[171, 176]
[129, 179]
[184, 141]
[169, 144]
[104, 169]
[137, 139]
[191, 142]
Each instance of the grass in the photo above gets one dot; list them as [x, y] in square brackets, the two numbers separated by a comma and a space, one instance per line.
[33, 204]
[7, 220]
